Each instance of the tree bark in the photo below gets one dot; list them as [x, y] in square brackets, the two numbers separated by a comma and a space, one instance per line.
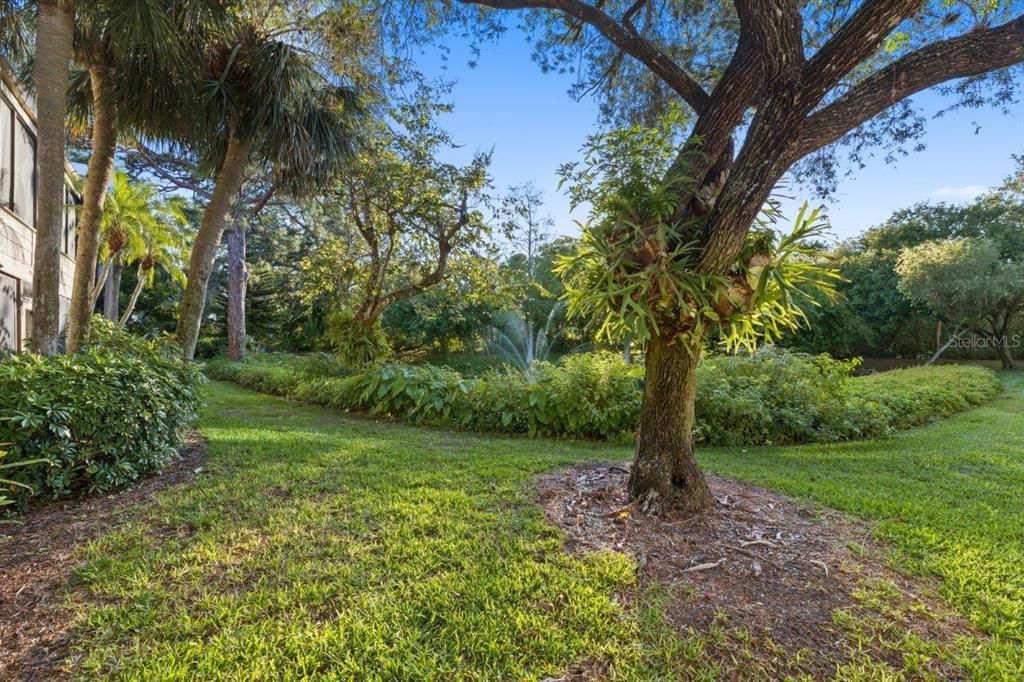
[665, 475]
[130, 308]
[54, 36]
[1005, 355]
[112, 293]
[204, 250]
[944, 347]
[97, 179]
[97, 288]
[238, 279]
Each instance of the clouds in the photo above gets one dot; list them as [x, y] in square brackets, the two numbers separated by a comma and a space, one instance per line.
[963, 193]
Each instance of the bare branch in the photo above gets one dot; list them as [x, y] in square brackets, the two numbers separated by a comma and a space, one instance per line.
[627, 40]
[971, 54]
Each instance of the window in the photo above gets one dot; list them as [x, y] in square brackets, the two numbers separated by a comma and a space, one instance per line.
[9, 299]
[25, 174]
[6, 152]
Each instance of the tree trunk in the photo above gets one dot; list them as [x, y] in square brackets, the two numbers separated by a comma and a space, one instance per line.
[97, 288]
[238, 278]
[665, 475]
[942, 349]
[1005, 355]
[140, 284]
[54, 35]
[94, 195]
[204, 250]
[112, 293]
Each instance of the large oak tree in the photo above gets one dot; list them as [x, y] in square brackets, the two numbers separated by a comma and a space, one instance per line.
[770, 83]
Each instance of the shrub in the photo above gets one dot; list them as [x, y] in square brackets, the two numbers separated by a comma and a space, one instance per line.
[595, 395]
[355, 341]
[913, 396]
[499, 401]
[423, 394]
[772, 397]
[102, 417]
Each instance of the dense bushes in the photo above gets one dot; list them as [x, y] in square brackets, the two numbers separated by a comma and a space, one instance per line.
[100, 418]
[774, 396]
[916, 395]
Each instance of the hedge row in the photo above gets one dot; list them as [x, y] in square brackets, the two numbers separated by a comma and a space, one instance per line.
[97, 419]
[772, 397]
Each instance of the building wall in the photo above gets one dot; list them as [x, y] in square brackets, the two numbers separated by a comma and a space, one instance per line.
[17, 231]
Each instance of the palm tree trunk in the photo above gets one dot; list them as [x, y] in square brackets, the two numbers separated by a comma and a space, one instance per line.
[204, 250]
[97, 179]
[54, 36]
[665, 475]
[112, 292]
[238, 278]
[130, 308]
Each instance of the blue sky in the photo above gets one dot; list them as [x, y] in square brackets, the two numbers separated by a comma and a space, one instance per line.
[533, 125]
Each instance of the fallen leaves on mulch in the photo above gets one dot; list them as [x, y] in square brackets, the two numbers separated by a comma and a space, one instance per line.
[36, 561]
[774, 568]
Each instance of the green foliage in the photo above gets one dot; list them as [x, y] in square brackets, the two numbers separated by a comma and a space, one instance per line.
[399, 214]
[968, 282]
[355, 341]
[102, 417]
[7, 485]
[877, 317]
[774, 396]
[914, 396]
[636, 272]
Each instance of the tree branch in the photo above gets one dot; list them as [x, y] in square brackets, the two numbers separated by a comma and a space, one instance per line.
[855, 41]
[444, 249]
[971, 54]
[623, 37]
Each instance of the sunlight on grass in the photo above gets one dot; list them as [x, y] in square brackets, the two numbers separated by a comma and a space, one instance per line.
[319, 546]
[948, 497]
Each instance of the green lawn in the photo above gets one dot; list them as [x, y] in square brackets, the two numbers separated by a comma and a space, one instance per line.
[320, 546]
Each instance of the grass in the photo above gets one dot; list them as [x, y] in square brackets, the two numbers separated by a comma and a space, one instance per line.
[948, 497]
[316, 546]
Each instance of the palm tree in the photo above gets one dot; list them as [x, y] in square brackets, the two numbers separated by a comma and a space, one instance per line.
[263, 100]
[55, 31]
[133, 56]
[164, 248]
[135, 222]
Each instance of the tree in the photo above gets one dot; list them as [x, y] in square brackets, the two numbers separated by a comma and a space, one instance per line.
[968, 283]
[54, 38]
[395, 238]
[527, 230]
[874, 318]
[132, 59]
[260, 99]
[137, 226]
[769, 84]
[164, 248]
[454, 314]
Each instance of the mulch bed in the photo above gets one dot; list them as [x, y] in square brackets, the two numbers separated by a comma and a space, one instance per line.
[773, 567]
[36, 561]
